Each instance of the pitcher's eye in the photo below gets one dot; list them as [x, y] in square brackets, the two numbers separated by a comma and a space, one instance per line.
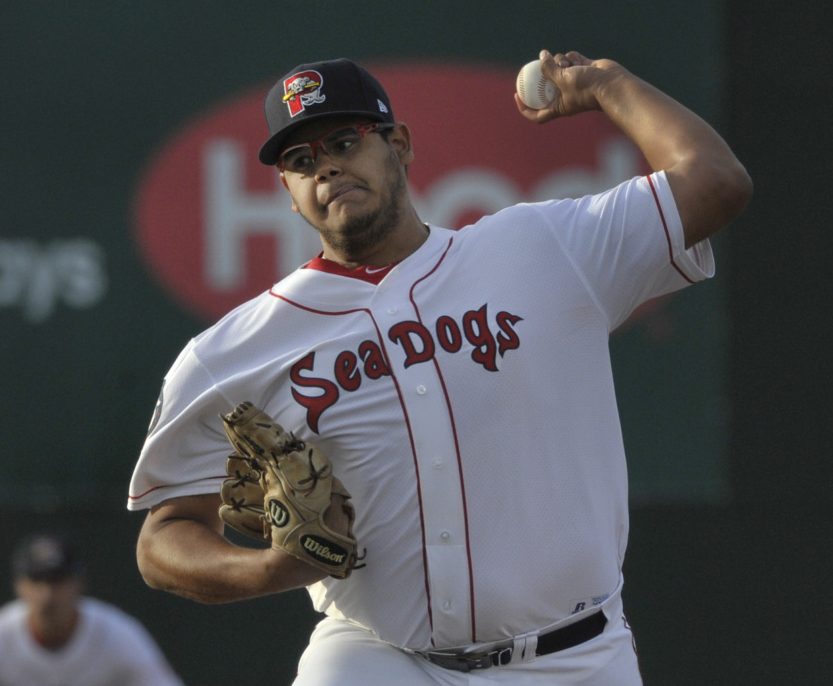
[298, 160]
[341, 141]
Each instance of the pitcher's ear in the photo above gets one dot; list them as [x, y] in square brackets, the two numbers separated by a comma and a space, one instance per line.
[286, 185]
[400, 140]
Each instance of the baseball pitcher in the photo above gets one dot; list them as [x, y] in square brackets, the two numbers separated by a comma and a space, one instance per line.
[420, 424]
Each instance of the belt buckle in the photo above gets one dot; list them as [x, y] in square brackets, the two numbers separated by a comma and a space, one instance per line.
[497, 657]
[467, 660]
[460, 662]
[501, 656]
[477, 661]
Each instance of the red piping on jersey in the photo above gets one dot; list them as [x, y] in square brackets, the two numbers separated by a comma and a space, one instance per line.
[667, 232]
[456, 445]
[322, 264]
[142, 495]
[154, 488]
[407, 424]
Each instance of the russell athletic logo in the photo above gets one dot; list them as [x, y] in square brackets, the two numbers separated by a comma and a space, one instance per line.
[302, 90]
[215, 227]
[323, 550]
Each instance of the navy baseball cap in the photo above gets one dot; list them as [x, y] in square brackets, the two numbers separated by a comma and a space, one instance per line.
[45, 558]
[321, 89]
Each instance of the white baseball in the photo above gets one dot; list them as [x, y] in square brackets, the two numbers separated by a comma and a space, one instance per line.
[535, 89]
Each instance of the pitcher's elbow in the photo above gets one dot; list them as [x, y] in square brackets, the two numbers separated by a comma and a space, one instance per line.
[146, 569]
[737, 190]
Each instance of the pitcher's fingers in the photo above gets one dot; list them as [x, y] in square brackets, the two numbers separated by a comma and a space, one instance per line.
[577, 59]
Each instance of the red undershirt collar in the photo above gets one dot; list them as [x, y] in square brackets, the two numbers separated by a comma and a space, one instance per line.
[363, 272]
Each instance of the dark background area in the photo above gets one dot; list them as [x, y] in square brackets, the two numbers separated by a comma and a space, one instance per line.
[740, 594]
[735, 593]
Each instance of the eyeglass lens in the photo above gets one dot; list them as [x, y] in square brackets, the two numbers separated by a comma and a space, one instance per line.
[301, 158]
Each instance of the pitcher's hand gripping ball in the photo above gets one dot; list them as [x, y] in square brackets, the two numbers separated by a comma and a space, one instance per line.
[279, 488]
[535, 89]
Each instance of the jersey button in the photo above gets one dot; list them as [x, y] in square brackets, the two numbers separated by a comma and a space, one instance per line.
[446, 605]
[393, 310]
[445, 536]
[421, 389]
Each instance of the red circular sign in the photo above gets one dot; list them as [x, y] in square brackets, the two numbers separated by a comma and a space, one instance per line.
[215, 225]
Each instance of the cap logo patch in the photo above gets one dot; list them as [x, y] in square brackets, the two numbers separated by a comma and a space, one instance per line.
[302, 90]
[382, 106]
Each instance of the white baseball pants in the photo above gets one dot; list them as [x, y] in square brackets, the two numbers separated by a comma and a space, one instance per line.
[342, 654]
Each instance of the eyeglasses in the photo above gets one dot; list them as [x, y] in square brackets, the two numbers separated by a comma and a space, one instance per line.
[339, 145]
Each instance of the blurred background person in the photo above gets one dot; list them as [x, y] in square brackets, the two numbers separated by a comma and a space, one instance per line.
[53, 635]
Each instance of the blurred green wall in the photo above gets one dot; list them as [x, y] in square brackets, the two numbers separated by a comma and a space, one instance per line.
[727, 588]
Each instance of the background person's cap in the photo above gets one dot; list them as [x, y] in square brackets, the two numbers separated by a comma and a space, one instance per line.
[321, 89]
[45, 558]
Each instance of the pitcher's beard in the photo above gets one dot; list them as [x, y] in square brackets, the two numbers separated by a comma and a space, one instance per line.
[361, 233]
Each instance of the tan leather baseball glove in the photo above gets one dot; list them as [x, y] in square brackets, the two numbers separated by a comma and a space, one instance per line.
[280, 488]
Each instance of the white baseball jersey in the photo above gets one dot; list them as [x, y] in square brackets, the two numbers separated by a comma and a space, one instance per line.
[466, 401]
[108, 647]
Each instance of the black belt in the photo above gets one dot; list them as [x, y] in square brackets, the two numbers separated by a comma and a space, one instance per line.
[501, 653]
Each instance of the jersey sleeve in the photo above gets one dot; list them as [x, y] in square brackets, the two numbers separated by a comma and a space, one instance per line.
[627, 244]
[185, 450]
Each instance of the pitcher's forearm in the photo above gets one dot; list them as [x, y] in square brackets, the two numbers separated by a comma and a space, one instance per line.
[711, 187]
[664, 130]
[189, 559]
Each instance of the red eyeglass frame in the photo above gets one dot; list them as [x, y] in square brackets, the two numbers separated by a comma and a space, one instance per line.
[318, 143]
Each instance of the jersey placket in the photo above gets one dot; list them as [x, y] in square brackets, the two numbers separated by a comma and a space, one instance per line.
[442, 497]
